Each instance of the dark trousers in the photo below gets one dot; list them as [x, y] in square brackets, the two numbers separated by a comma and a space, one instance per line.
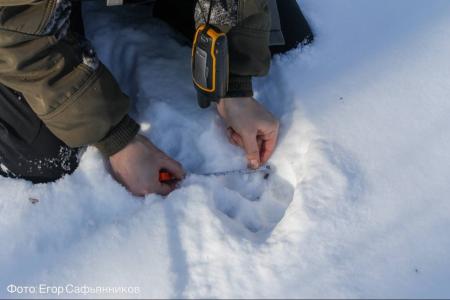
[28, 150]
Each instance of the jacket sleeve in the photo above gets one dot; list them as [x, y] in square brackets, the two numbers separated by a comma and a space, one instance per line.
[18, 2]
[60, 77]
[247, 24]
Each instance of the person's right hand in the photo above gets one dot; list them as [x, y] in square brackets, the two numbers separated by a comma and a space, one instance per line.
[137, 167]
[250, 126]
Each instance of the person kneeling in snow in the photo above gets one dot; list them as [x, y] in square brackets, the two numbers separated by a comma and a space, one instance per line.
[56, 96]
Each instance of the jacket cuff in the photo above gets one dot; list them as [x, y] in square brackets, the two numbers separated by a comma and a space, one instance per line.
[118, 137]
[239, 86]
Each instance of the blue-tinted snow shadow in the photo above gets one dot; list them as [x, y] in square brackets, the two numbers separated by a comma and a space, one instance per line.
[350, 37]
[176, 251]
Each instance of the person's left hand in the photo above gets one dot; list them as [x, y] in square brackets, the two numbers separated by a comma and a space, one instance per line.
[251, 127]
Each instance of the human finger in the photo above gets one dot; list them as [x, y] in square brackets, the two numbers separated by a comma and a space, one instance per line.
[268, 145]
[174, 167]
[251, 149]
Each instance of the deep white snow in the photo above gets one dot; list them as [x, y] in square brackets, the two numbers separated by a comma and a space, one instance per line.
[359, 203]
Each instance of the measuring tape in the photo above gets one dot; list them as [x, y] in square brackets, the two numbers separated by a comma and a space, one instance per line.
[167, 177]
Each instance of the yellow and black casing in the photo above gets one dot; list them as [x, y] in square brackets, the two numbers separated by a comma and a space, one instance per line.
[210, 64]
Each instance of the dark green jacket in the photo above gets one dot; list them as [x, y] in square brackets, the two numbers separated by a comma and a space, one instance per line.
[75, 95]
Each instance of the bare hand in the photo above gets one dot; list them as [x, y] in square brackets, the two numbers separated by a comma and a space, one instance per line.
[137, 167]
[251, 127]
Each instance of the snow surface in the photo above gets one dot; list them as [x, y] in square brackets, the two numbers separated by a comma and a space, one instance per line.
[359, 204]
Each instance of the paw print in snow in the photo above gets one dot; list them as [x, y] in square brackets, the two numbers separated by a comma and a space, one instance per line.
[255, 202]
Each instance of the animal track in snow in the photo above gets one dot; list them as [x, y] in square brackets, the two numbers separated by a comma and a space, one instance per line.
[319, 173]
[252, 201]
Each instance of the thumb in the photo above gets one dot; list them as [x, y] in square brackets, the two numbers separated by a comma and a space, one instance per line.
[175, 168]
[252, 150]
